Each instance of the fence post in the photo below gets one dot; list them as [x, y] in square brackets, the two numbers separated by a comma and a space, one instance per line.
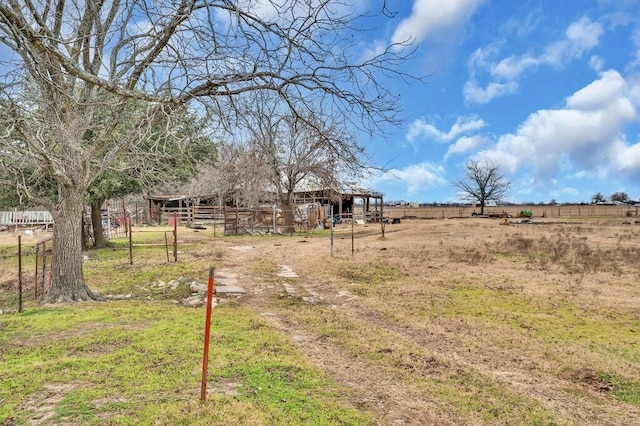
[44, 264]
[331, 243]
[166, 246]
[124, 216]
[175, 237]
[207, 336]
[352, 220]
[35, 280]
[19, 273]
[53, 253]
[215, 219]
[128, 225]
[275, 212]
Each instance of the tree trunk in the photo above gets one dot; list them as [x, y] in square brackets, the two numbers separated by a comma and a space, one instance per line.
[96, 222]
[287, 215]
[67, 279]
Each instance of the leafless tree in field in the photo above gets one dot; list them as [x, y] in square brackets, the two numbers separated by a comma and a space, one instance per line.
[297, 153]
[484, 182]
[64, 63]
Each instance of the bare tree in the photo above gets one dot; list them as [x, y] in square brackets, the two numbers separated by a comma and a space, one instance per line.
[240, 177]
[72, 62]
[484, 182]
[298, 153]
[598, 198]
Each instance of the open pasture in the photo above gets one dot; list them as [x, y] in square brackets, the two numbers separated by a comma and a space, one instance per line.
[461, 321]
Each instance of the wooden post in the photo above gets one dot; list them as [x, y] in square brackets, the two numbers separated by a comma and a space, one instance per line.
[207, 336]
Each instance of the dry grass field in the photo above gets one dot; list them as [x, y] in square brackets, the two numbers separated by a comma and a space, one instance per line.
[470, 321]
[461, 321]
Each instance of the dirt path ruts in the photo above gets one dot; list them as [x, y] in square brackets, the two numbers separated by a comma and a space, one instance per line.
[394, 403]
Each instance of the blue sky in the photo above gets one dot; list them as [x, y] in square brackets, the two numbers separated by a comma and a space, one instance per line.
[548, 90]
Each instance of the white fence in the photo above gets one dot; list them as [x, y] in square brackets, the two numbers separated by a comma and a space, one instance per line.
[25, 218]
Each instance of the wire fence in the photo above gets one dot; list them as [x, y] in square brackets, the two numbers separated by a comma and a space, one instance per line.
[26, 269]
[538, 211]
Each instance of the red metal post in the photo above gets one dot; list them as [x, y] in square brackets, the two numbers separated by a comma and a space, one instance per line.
[207, 336]
[19, 273]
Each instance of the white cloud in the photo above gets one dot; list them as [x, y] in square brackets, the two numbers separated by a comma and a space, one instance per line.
[512, 67]
[635, 38]
[521, 27]
[374, 49]
[415, 177]
[587, 134]
[596, 63]
[434, 18]
[482, 58]
[465, 144]
[506, 161]
[478, 95]
[601, 92]
[421, 129]
[580, 37]
[628, 160]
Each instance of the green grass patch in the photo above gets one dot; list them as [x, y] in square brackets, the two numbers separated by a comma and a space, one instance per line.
[140, 363]
[543, 318]
[623, 388]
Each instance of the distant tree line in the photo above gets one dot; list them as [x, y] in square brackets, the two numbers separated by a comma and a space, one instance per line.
[617, 197]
